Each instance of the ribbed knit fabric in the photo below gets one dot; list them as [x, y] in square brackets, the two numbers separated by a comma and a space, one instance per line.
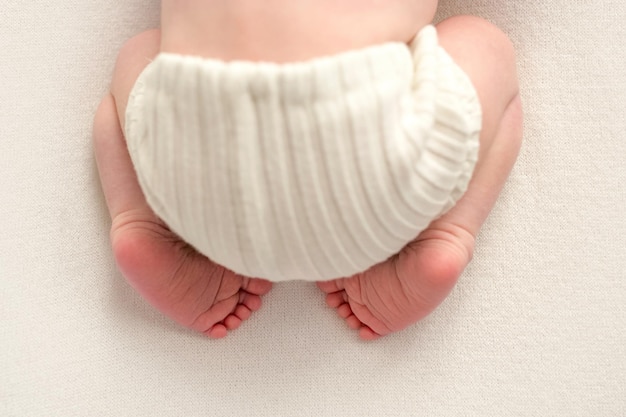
[308, 171]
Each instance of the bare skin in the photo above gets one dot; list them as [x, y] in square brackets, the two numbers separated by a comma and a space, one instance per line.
[389, 297]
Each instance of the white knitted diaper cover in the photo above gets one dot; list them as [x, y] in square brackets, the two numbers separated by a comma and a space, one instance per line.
[304, 171]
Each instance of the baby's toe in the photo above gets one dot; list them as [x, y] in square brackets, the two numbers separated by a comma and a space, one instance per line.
[243, 312]
[251, 301]
[232, 322]
[257, 286]
[366, 333]
[344, 311]
[218, 331]
[353, 322]
[330, 286]
[334, 300]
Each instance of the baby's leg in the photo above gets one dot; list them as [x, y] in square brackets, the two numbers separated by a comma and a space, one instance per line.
[397, 293]
[133, 58]
[177, 280]
[488, 57]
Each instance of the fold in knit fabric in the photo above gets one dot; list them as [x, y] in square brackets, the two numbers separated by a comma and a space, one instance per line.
[309, 171]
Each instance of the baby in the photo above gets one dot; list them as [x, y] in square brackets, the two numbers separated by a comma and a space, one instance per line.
[350, 142]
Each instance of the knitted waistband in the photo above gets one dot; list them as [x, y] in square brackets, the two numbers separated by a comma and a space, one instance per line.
[291, 83]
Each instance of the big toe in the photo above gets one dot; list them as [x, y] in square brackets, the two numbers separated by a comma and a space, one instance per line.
[330, 286]
[257, 286]
[335, 299]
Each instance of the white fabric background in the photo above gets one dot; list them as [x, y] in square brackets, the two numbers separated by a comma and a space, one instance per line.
[536, 326]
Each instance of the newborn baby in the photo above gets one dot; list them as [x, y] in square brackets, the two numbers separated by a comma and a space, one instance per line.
[349, 143]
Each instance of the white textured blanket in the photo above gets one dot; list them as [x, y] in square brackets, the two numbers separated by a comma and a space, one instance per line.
[536, 326]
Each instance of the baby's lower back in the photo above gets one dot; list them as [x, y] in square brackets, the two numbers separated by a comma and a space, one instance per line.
[287, 30]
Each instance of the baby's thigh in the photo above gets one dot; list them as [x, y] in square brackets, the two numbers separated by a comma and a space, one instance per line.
[132, 59]
[486, 54]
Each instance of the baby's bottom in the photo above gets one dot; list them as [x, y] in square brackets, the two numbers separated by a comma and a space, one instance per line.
[397, 293]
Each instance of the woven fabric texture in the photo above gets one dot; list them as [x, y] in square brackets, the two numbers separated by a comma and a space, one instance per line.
[536, 325]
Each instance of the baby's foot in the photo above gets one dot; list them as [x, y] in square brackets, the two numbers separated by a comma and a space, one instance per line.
[171, 275]
[180, 282]
[397, 293]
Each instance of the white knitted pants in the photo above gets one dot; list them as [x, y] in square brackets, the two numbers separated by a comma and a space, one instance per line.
[309, 171]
